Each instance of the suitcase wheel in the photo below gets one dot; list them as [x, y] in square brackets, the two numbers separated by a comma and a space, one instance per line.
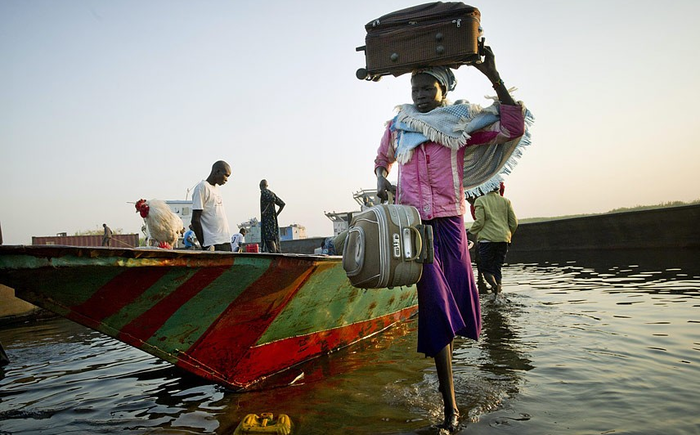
[363, 74]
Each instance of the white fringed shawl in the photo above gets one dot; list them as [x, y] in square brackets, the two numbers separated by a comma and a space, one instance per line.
[451, 126]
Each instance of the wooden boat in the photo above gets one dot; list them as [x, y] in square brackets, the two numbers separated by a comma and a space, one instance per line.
[234, 319]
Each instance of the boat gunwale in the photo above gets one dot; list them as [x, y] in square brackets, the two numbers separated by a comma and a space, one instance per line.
[140, 256]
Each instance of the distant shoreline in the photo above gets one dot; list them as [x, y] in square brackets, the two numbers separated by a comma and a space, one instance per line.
[616, 210]
[673, 227]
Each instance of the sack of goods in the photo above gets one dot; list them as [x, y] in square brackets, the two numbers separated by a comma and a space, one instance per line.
[386, 247]
[431, 34]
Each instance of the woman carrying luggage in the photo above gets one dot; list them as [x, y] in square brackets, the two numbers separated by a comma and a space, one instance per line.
[435, 145]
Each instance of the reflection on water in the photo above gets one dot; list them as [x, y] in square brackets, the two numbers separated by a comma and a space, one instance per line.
[602, 345]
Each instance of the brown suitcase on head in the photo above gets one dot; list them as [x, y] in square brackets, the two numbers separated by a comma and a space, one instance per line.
[432, 34]
[386, 246]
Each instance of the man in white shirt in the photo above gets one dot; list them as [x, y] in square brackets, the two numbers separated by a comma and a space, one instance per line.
[209, 220]
[237, 240]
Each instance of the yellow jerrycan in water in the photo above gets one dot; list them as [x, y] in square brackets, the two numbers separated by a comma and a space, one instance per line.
[264, 424]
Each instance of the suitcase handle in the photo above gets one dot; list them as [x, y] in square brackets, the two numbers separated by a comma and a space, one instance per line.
[428, 254]
[419, 243]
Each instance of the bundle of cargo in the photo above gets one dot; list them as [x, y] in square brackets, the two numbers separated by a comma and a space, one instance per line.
[431, 34]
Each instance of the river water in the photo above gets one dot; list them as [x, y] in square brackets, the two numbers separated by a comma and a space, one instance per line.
[602, 345]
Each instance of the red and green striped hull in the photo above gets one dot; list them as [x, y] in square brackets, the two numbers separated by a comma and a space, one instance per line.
[234, 319]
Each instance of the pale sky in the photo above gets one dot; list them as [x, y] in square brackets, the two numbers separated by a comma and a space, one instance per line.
[106, 102]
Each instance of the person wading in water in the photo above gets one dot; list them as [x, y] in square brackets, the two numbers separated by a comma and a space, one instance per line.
[432, 143]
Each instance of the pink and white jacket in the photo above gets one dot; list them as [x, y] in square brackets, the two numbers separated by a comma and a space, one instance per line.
[431, 180]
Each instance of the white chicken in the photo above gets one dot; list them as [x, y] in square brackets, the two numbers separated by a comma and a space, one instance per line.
[162, 224]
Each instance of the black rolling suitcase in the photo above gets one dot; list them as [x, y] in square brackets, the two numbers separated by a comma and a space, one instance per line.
[432, 34]
[386, 246]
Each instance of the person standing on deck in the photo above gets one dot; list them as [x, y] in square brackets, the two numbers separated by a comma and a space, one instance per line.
[269, 227]
[209, 220]
[106, 235]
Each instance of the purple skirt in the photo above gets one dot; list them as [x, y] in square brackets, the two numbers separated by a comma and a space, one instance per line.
[448, 300]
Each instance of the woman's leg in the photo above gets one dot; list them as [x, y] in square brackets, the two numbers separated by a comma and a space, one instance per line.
[443, 364]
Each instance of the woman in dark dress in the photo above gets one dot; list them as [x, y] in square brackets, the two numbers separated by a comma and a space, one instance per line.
[269, 228]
